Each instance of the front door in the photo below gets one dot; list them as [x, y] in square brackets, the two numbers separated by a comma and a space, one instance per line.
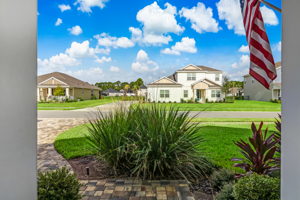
[198, 95]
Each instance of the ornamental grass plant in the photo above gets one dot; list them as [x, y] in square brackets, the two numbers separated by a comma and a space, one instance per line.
[150, 143]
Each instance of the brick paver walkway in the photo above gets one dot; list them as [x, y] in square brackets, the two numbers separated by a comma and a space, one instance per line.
[48, 129]
[49, 159]
[136, 190]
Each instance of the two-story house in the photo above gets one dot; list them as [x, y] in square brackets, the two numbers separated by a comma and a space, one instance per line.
[192, 82]
[253, 90]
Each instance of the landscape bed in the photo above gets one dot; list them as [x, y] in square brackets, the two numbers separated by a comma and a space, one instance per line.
[217, 145]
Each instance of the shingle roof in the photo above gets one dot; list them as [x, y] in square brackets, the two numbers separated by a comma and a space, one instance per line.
[69, 80]
[201, 68]
[110, 90]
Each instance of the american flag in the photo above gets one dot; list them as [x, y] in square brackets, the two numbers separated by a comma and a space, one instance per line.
[262, 66]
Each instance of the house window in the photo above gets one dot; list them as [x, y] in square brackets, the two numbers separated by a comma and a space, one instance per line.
[217, 78]
[185, 93]
[164, 94]
[215, 93]
[191, 76]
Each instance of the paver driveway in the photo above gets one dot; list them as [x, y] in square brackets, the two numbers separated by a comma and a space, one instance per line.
[48, 129]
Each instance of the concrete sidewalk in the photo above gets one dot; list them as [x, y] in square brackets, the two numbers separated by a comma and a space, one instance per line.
[201, 114]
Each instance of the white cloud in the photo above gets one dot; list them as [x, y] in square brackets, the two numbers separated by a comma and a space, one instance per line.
[64, 7]
[157, 23]
[75, 30]
[143, 63]
[278, 46]
[92, 75]
[56, 63]
[113, 42]
[70, 57]
[230, 11]
[103, 59]
[244, 62]
[244, 49]
[185, 45]
[114, 69]
[269, 16]
[58, 22]
[201, 18]
[86, 5]
[81, 50]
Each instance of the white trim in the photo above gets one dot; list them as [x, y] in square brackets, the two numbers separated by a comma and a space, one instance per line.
[52, 78]
[165, 83]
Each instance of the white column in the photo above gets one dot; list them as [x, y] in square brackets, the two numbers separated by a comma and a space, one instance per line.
[38, 94]
[67, 92]
[49, 92]
[290, 167]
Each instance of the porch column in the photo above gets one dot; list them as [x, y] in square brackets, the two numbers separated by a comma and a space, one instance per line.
[49, 92]
[67, 92]
[290, 147]
[38, 94]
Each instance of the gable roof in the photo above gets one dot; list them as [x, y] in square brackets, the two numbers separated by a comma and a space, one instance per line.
[198, 68]
[67, 79]
[212, 83]
[164, 81]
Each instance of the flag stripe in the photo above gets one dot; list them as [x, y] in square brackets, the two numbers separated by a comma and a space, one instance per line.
[262, 66]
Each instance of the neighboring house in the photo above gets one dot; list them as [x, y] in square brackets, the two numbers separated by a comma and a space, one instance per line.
[112, 92]
[236, 91]
[73, 87]
[196, 83]
[253, 90]
[142, 91]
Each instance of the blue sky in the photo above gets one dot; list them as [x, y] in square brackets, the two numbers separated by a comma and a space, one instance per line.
[110, 40]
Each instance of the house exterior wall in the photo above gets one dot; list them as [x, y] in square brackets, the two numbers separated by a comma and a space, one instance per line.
[253, 90]
[85, 94]
[176, 93]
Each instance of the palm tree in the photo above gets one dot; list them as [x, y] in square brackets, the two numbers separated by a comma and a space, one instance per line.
[126, 88]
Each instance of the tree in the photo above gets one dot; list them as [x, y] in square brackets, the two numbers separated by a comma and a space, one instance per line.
[126, 88]
[59, 91]
[226, 85]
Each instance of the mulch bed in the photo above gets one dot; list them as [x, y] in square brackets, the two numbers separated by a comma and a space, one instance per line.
[100, 170]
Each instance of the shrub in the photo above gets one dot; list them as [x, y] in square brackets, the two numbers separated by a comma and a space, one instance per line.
[229, 99]
[221, 178]
[59, 91]
[150, 142]
[58, 184]
[226, 193]
[93, 97]
[257, 187]
[258, 152]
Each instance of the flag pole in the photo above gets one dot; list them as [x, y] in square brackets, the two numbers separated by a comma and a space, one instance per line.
[270, 5]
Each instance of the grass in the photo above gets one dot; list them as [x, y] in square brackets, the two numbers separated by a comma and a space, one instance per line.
[218, 145]
[77, 105]
[233, 119]
[238, 105]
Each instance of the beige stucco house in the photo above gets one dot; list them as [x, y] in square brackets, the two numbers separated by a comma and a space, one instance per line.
[73, 87]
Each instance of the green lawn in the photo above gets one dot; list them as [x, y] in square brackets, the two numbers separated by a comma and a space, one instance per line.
[218, 144]
[238, 105]
[76, 105]
[233, 119]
